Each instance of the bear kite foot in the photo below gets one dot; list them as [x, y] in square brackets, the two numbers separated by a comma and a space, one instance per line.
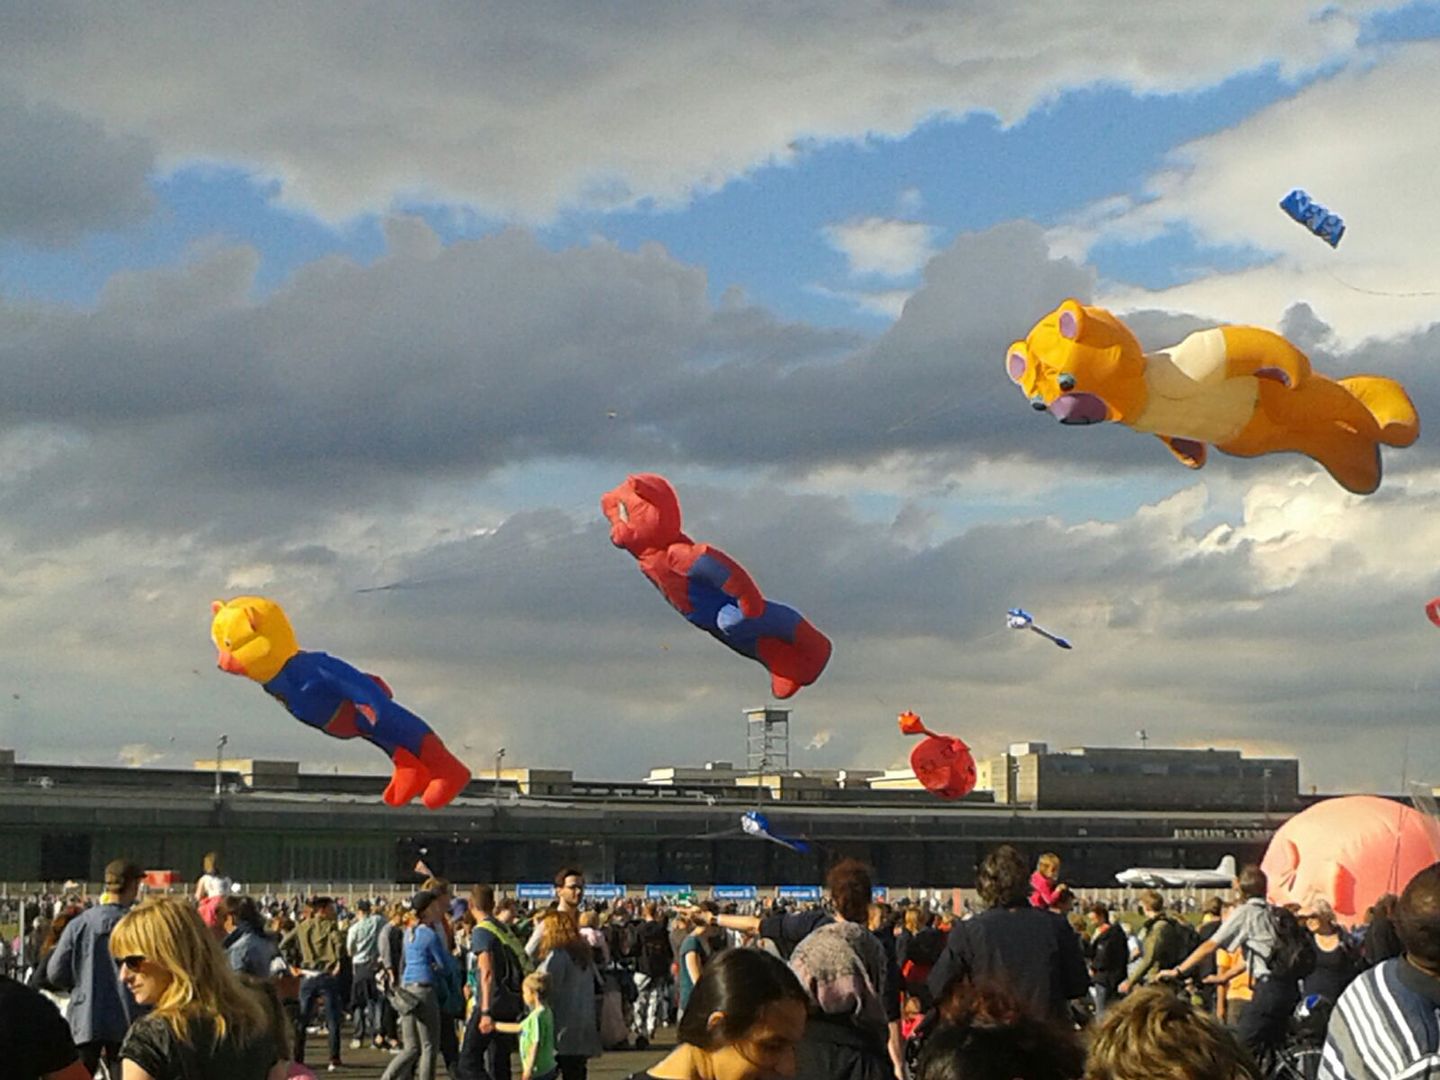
[409, 779]
[448, 774]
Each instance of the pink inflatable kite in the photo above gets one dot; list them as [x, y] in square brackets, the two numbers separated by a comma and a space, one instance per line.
[1349, 851]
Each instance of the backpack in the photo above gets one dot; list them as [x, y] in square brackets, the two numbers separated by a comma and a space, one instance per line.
[1187, 939]
[1292, 957]
[507, 972]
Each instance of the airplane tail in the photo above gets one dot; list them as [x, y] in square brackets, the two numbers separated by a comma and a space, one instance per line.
[1227, 866]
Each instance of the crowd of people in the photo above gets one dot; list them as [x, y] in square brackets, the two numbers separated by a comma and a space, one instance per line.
[226, 986]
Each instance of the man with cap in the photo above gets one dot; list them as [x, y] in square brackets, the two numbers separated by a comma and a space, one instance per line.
[101, 1007]
[321, 947]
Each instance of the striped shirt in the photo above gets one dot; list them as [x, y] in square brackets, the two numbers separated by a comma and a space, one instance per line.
[1386, 1026]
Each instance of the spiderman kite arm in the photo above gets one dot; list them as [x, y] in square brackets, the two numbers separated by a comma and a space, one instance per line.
[714, 568]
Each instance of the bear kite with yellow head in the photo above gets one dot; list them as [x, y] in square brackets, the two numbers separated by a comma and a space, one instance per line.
[1246, 390]
[254, 639]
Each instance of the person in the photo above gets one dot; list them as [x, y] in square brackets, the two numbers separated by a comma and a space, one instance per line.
[425, 962]
[320, 947]
[1155, 1033]
[101, 1007]
[203, 1021]
[1274, 993]
[536, 1031]
[1029, 950]
[362, 944]
[1108, 955]
[1387, 1022]
[747, 1018]
[35, 1042]
[499, 967]
[652, 974]
[449, 996]
[1164, 945]
[211, 884]
[852, 1030]
[574, 984]
[984, 1033]
[1336, 963]
[1045, 881]
[704, 940]
[1381, 941]
[392, 966]
[249, 949]
[569, 894]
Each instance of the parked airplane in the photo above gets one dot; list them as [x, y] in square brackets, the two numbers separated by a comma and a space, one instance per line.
[1156, 877]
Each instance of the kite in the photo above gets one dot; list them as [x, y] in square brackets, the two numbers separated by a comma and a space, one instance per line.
[1020, 619]
[1432, 611]
[254, 639]
[711, 589]
[1349, 851]
[754, 823]
[1246, 390]
[942, 763]
[1329, 227]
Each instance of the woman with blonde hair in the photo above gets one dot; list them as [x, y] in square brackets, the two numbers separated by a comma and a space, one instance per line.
[203, 1020]
[574, 981]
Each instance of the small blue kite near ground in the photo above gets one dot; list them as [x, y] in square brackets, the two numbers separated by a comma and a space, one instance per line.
[1320, 221]
[754, 823]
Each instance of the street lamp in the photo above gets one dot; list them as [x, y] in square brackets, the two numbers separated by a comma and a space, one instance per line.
[499, 757]
[220, 762]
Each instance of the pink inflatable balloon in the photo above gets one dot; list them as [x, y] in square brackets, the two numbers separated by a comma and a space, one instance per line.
[1349, 851]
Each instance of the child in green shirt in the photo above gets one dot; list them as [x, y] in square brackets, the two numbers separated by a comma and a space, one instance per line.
[536, 1031]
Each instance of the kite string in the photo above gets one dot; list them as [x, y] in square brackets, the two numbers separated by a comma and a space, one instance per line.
[1379, 292]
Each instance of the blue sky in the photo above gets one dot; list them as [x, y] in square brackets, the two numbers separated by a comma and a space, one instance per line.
[500, 258]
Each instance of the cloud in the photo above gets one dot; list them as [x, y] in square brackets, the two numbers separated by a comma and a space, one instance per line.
[820, 740]
[63, 175]
[138, 755]
[520, 113]
[1225, 189]
[882, 247]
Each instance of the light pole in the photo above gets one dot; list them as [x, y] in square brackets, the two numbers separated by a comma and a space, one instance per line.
[499, 757]
[220, 762]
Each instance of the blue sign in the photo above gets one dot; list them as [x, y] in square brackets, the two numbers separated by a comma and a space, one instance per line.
[798, 892]
[661, 891]
[535, 892]
[604, 892]
[880, 894]
[735, 892]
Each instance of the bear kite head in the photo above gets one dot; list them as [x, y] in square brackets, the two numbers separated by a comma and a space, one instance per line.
[644, 513]
[252, 636]
[1082, 364]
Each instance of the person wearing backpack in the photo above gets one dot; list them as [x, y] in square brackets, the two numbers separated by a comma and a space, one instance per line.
[1278, 953]
[1166, 941]
[498, 970]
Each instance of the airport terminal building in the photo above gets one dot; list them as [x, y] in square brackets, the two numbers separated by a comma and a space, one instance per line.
[1101, 809]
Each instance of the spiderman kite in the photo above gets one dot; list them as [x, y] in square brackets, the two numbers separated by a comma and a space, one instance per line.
[711, 589]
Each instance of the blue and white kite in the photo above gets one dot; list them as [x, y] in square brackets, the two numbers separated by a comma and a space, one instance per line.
[1020, 619]
[754, 823]
[1320, 221]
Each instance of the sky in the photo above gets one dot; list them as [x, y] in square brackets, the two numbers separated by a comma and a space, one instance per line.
[363, 306]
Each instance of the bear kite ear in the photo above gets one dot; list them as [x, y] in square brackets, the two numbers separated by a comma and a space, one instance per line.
[215, 606]
[1017, 362]
[1072, 320]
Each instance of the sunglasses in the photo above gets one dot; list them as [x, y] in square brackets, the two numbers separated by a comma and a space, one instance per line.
[132, 962]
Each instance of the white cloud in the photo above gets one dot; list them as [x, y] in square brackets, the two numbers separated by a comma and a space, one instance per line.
[1354, 142]
[882, 247]
[520, 110]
